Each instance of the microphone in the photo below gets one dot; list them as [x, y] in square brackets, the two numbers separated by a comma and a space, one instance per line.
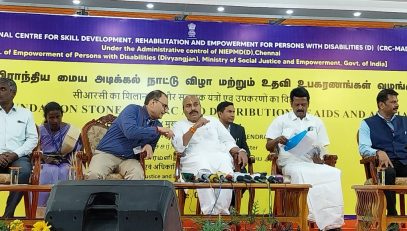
[214, 178]
[237, 177]
[229, 178]
[277, 179]
[203, 175]
[240, 179]
[260, 179]
[248, 179]
[224, 178]
[280, 179]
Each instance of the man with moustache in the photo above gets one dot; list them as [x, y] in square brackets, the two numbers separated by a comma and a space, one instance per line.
[136, 130]
[325, 200]
[18, 137]
[226, 114]
[206, 144]
[384, 135]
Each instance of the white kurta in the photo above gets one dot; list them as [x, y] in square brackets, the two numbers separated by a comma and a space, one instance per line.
[325, 200]
[208, 149]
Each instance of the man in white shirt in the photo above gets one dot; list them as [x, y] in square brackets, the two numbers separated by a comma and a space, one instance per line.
[207, 145]
[325, 201]
[18, 137]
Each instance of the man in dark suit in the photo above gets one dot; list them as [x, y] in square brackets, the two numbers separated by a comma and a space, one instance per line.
[226, 114]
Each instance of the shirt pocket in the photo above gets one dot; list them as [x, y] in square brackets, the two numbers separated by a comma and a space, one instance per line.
[17, 129]
[287, 132]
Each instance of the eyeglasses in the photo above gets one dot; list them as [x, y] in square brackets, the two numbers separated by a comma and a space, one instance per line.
[165, 106]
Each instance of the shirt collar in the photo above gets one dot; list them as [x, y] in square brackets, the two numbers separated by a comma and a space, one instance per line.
[293, 117]
[392, 118]
[146, 115]
[12, 108]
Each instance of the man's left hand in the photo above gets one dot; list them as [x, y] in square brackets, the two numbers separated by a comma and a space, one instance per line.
[3, 161]
[148, 150]
[11, 157]
[242, 158]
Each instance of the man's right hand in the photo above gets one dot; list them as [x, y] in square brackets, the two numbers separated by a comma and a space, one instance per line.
[282, 140]
[165, 132]
[384, 160]
[201, 122]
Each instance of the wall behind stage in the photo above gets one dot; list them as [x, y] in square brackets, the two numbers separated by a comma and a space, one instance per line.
[94, 66]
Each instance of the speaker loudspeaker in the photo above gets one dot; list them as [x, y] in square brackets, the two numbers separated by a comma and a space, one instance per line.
[113, 205]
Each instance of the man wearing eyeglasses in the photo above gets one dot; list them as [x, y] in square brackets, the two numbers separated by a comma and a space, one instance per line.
[136, 130]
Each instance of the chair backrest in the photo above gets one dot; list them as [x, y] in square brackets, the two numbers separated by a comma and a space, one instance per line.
[36, 157]
[93, 131]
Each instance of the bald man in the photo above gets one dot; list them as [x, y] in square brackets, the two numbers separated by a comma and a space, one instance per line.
[207, 144]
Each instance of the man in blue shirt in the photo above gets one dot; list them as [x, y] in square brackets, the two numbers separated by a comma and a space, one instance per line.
[18, 137]
[384, 135]
[135, 130]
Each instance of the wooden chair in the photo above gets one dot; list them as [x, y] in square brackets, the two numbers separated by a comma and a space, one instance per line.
[370, 164]
[282, 199]
[92, 132]
[30, 204]
[36, 157]
[238, 192]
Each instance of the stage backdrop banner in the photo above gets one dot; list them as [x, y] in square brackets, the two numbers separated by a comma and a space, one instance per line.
[94, 66]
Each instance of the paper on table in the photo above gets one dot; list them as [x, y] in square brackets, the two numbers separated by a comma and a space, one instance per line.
[300, 144]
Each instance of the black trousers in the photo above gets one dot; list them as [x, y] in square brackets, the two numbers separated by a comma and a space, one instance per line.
[399, 170]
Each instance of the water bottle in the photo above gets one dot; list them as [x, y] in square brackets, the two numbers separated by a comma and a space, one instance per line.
[381, 174]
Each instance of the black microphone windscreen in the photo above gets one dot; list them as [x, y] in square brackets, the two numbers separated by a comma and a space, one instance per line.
[260, 179]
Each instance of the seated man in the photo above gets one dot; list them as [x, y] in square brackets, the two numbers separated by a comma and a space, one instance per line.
[226, 114]
[384, 136]
[325, 201]
[207, 145]
[18, 137]
[135, 130]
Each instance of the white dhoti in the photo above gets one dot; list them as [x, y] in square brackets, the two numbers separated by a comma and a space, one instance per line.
[325, 200]
[212, 201]
[208, 149]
